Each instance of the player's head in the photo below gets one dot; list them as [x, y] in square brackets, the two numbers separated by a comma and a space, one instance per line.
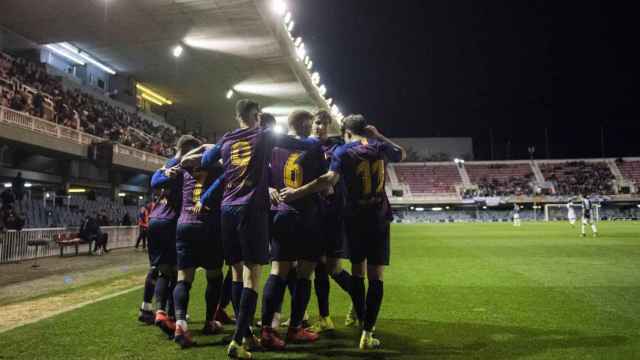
[354, 127]
[267, 121]
[300, 122]
[321, 122]
[248, 112]
[187, 143]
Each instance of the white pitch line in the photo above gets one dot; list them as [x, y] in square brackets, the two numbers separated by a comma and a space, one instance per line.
[71, 308]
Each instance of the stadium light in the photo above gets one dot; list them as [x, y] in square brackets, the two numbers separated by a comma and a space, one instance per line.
[279, 7]
[335, 110]
[322, 89]
[76, 190]
[177, 51]
[87, 57]
[122, 194]
[140, 197]
[315, 78]
[47, 195]
[301, 51]
[458, 161]
[298, 41]
[287, 18]
[153, 94]
[66, 54]
[436, 209]
[278, 129]
[7, 185]
[28, 184]
[151, 99]
[309, 65]
[306, 60]
[230, 94]
[419, 209]
[290, 26]
[329, 101]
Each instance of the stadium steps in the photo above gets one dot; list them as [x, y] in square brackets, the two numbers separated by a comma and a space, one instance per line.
[536, 171]
[466, 181]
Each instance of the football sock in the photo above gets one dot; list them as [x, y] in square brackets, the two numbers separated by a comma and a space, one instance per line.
[272, 298]
[374, 299]
[358, 296]
[161, 291]
[150, 285]
[594, 229]
[212, 296]
[181, 299]
[225, 297]
[299, 302]
[321, 286]
[292, 277]
[182, 324]
[247, 312]
[171, 309]
[236, 295]
[343, 279]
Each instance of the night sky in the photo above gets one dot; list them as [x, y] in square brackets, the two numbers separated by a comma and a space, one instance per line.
[476, 68]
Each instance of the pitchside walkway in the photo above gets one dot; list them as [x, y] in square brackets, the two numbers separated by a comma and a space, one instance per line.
[59, 284]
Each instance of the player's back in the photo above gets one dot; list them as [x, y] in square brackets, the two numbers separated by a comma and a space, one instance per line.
[293, 168]
[363, 169]
[195, 182]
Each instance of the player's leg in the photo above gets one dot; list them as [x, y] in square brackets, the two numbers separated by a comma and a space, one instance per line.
[212, 299]
[145, 314]
[299, 303]
[225, 299]
[357, 242]
[273, 295]
[582, 228]
[321, 286]
[594, 229]
[181, 302]
[212, 260]
[378, 255]
[251, 233]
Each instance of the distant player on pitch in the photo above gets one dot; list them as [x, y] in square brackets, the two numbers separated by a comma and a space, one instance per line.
[571, 214]
[516, 215]
[587, 216]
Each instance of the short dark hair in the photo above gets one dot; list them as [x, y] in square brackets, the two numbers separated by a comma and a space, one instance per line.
[186, 141]
[244, 106]
[324, 116]
[297, 116]
[355, 123]
[267, 119]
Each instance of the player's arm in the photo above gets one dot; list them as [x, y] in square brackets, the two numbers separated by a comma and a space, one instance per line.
[159, 178]
[395, 153]
[323, 182]
[207, 198]
[194, 157]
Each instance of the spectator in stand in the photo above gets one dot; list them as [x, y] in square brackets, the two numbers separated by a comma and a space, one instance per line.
[8, 197]
[38, 104]
[143, 224]
[103, 219]
[18, 186]
[12, 220]
[90, 232]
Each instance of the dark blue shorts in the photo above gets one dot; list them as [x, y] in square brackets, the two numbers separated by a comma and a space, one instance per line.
[245, 234]
[196, 246]
[162, 242]
[367, 238]
[332, 232]
[296, 236]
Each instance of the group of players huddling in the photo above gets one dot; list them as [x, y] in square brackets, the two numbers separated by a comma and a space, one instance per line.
[301, 201]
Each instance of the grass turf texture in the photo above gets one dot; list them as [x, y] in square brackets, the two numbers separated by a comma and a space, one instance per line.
[453, 291]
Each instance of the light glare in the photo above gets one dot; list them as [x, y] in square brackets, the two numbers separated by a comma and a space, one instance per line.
[177, 51]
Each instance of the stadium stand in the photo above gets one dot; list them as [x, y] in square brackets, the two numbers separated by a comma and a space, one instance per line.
[424, 179]
[579, 177]
[27, 87]
[630, 169]
[71, 213]
[496, 179]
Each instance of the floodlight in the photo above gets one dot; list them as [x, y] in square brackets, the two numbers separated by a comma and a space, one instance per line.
[177, 51]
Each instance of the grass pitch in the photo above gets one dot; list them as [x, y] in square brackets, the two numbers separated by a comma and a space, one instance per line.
[453, 291]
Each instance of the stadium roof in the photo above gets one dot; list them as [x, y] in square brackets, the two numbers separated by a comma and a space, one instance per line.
[239, 44]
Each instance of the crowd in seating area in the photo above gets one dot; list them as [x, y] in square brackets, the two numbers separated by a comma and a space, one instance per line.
[579, 177]
[500, 180]
[77, 110]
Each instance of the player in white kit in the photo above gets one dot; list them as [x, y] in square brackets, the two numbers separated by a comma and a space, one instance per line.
[571, 214]
[516, 215]
[587, 216]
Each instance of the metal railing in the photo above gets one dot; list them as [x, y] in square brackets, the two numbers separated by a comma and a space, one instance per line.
[42, 126]
[14, 244]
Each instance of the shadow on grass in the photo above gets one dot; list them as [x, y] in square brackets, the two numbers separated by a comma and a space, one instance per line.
[410, 339]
